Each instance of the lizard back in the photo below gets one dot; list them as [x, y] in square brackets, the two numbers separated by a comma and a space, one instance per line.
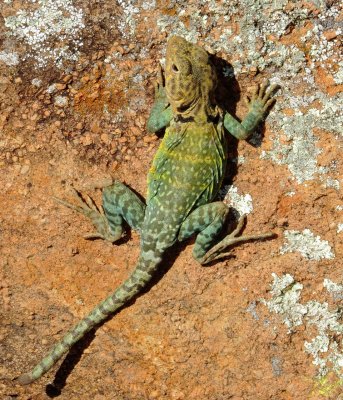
[188, 168]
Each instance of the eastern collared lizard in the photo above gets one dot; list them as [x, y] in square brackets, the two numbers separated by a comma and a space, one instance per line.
[184, 179]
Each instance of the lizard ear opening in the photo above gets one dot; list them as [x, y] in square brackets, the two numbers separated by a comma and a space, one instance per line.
[175, 68]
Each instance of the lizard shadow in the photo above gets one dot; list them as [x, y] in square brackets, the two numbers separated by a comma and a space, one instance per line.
[227, 96]
[75, 353]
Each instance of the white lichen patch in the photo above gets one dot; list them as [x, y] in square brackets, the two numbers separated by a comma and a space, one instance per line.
[127, 23]
[340, 227]
[51, 89]
[327, 324]
[321, 48]
[326, 347]
[149, 5]
[240, 202]
[61, 101]
[301, 150]
[307, 244]
[335, 289]
[332, 183]
[240, 160]
[285, 300]
[9, 58]
[36, 82]
[338, 75]
[51, 31]
[252, 310]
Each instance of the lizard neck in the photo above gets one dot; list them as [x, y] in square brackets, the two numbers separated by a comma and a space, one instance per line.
[199, 111]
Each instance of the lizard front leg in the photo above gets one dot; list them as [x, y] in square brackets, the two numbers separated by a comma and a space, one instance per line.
[161, 113]
[119, 202]
[258, 107]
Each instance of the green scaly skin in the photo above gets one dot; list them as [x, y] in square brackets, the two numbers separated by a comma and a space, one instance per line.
[184, 178]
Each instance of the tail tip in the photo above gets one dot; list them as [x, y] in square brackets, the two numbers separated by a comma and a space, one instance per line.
[25, 379]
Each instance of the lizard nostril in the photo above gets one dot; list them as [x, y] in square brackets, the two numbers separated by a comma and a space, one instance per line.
[175, 68]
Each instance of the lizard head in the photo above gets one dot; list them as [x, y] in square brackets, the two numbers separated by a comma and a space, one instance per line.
[190, 79]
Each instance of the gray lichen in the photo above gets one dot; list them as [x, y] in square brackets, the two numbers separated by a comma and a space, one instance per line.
[61, 101]
[285, 301]
[301, 152]
[49, 31]
[276, 366]
[130, 12]
[9, 58]
[326, 347]
[252, 310]
[327, 323]
[36, 82]
[240, 202]
[335, 289]
[307, 244]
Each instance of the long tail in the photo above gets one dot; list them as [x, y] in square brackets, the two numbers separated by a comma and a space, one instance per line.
[125, 292]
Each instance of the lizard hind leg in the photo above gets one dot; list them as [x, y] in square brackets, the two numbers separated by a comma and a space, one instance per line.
[208, 221]
[218, 251]
[118, 202]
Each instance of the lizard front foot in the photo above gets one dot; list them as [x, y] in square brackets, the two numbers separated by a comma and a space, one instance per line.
[262, 99]
[87, 206]
[217, 251]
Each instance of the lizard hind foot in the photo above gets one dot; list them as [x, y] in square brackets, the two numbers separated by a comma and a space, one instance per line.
[217, 251]
[86, 205]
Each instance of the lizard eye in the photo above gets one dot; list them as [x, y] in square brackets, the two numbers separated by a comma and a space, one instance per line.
[175, 68]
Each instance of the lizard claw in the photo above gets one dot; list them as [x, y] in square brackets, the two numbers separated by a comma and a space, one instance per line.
[239, 227]
[247, 101]
[267, 100]
[261, 89]
[85, 206]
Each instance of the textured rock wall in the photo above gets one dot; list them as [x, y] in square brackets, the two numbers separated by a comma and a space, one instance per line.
[76, 88]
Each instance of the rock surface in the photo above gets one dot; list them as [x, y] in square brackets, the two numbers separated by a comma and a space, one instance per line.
[76, 83]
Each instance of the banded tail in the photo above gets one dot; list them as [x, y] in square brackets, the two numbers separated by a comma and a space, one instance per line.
[125, 292]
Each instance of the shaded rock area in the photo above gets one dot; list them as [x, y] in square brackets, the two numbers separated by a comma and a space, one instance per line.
[76, 87]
